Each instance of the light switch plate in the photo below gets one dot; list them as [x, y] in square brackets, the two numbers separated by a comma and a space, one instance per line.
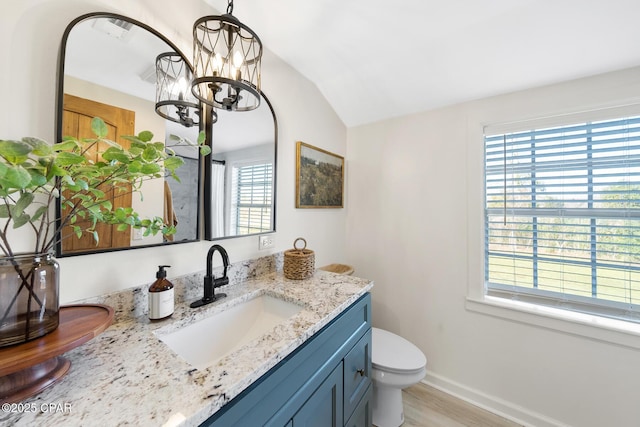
[137, 233]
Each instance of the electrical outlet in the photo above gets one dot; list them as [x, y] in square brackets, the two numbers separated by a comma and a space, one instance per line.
[266, 241]
[137, 234]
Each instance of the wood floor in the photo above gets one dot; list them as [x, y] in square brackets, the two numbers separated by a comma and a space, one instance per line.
[425, 406]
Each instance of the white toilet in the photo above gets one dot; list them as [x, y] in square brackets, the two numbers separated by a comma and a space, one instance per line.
[396, 364]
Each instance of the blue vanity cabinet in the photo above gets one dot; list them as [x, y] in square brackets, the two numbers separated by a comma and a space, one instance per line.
[357, 374]
[324, 382]
[362, 415]
[324, 407]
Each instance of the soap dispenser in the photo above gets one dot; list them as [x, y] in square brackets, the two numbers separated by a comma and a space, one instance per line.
[161, 298]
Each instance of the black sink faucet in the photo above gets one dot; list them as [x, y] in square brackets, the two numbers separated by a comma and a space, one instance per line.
[210, 283]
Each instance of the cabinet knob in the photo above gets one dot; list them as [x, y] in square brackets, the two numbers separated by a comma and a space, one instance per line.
[361, 372]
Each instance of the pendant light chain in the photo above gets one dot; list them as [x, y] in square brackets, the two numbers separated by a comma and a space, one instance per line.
[230, 7]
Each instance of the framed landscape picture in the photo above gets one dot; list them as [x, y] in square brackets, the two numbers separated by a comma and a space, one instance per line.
[319, 178]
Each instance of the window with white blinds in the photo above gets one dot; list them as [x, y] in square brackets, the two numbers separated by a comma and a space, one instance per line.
[251, 198]
[562, 215]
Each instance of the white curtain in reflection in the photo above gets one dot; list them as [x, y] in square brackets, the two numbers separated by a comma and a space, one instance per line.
[217, 202]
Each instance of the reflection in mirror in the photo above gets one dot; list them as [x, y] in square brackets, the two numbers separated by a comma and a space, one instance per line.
[108, 70]
[240, 199]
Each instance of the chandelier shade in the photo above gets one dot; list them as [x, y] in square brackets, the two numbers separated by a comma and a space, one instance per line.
[174, 98]
[227, 59]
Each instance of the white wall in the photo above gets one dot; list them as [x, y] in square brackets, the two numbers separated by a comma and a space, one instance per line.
[30, 37]
[414, 226]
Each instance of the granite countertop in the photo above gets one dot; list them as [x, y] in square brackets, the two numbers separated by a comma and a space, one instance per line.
[127, 376]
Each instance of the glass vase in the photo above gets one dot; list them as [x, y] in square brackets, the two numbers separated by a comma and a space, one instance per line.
[29, 303]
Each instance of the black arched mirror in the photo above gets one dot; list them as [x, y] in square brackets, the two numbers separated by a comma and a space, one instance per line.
[107, 66]
[240, 187]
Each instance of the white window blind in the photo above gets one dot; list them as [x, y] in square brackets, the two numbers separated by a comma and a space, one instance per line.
[251, 198]
[562, 215]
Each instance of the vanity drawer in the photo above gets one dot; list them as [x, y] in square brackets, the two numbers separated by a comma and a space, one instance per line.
[357, 373]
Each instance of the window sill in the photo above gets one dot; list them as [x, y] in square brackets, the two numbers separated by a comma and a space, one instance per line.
[598, 328]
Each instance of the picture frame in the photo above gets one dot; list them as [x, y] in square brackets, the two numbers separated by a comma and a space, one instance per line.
[319, 178]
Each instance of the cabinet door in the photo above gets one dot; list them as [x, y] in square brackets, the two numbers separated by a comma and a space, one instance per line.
[324, 407]
[362, 415]
[357, 373]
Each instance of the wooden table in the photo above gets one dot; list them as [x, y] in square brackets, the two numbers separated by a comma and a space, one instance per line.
[27, 369]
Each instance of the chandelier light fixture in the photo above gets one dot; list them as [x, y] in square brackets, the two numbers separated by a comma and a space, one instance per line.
[174, 99]
[226, 60]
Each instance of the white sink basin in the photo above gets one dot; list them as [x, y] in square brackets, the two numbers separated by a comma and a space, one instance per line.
[204, 342]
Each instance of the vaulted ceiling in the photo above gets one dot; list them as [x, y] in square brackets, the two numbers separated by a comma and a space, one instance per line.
[375, 59]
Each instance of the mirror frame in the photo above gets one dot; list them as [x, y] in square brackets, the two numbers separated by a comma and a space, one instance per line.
[59, 115]
[207, 176]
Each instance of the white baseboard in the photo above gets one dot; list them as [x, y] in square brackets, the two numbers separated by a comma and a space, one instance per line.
[493, 404]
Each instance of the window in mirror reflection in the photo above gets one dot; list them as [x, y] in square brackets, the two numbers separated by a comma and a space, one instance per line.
[251, 198]
[243, 173]
[242, 180]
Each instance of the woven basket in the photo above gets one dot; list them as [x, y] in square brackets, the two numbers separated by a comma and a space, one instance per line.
[299, 263]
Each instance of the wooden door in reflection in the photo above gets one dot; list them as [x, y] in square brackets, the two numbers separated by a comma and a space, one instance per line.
[76, 121]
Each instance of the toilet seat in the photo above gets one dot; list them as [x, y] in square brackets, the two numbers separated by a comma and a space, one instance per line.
[392, 353]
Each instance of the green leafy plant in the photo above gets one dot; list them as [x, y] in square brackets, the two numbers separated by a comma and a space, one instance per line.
[35, 174]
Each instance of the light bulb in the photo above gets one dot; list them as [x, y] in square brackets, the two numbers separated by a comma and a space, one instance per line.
[237, 63]
[181, 87]
[237, 59]
[217, 64]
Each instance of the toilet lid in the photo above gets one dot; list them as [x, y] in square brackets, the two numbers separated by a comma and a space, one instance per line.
[392, 352]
